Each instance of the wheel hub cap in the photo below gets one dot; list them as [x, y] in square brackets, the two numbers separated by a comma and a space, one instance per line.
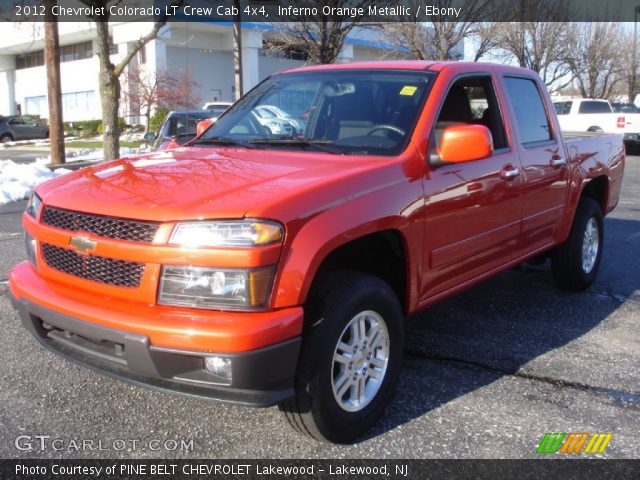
[360, 361]
[590, 245]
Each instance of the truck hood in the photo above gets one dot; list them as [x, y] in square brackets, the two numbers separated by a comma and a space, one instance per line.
[198, 183]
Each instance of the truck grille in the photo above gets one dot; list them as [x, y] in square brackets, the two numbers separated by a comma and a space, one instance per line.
[103, 226]
[99, 269]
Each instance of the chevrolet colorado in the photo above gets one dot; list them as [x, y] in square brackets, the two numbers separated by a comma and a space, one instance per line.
[262, 269]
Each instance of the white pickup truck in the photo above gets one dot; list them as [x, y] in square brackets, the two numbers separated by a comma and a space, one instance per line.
[594, 115]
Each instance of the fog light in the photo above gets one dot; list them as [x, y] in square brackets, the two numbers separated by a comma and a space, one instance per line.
[218, 366]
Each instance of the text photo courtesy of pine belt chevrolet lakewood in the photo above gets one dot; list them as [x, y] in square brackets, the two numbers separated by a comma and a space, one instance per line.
[264, 268]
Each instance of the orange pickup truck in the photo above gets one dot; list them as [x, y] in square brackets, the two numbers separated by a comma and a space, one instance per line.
[268, 268]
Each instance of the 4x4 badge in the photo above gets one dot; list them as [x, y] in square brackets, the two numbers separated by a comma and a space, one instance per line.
[83, 244]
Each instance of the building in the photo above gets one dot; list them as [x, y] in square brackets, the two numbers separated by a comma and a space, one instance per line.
[205, 50]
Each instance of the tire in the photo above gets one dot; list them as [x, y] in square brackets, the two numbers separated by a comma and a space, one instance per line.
[575, 263]
[342, 302]
[6, 138]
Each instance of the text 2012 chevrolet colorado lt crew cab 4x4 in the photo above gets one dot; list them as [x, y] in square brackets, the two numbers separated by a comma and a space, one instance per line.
[266, 269]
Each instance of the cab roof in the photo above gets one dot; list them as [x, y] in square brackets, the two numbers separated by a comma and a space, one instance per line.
[434, 66]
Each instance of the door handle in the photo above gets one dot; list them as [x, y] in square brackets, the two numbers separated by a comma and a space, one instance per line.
[509, 172]
[557, 161]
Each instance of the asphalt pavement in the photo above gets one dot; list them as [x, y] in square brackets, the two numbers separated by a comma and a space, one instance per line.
[486, 374]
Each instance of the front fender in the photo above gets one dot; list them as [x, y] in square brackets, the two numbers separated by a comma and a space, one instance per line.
[396, 208]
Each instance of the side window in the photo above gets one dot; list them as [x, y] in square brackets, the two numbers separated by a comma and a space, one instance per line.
[531, 117]
[472, 100]
[559, 106]
[563, 108]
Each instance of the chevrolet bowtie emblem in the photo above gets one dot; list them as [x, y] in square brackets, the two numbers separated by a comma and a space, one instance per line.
[83, 244]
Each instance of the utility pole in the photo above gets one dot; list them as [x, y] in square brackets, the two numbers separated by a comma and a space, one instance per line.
[52, 62]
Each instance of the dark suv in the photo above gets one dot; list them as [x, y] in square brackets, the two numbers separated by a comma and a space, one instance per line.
[22, 128]
[179, 126]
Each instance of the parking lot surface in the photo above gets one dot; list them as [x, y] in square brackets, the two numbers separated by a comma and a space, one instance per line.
[486, 374]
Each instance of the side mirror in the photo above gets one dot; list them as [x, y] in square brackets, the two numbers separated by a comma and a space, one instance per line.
[464, 143]
[149, 137]
[203, 125]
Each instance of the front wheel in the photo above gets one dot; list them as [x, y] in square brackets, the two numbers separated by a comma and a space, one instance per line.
[350, 361]
[575, 263]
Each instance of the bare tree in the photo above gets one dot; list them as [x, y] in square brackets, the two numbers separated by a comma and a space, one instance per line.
[436, 40]
[110, 74]
[321, 37]
[164, 88]
[545, 47]
[629, 64]
[485, 35]
[596, 62]
[237, 52]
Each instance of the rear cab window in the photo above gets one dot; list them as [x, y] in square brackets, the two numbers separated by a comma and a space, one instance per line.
[594, 106]
[532, 121]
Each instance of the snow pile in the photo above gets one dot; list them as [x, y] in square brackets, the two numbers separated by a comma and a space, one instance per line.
[18, 180]
[88, 154]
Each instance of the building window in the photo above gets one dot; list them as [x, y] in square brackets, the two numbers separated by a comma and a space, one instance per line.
[282, 50]
[79, 105]
[36, 106]
[29, 60]
[77, 51]
[68, 53]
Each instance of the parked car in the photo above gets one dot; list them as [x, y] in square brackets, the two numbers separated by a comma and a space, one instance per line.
[272, 124]
[216, 108]
[259, 269]
[14, 128]
[177, 128]
[596, 115]
[273, 112]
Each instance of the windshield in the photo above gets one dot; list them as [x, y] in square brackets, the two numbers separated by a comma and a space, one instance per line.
[338, 111]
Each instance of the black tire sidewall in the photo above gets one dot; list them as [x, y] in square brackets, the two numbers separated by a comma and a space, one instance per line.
[593, 212]
[567, 259]
[334, 423]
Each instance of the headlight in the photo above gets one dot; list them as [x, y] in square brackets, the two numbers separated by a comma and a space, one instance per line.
[215, 288]
[239, 233]
[33, 207]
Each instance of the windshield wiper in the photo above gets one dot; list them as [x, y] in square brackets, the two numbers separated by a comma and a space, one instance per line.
[324, 145]
[223, 141]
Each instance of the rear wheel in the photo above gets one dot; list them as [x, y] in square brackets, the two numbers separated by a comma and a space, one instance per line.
[6, 138]
[575, 263]
[350, 360]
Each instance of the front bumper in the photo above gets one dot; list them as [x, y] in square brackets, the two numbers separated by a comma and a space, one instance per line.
[259, 376]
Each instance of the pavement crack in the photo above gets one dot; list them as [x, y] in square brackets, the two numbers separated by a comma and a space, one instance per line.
[621, 396]
[9, 236]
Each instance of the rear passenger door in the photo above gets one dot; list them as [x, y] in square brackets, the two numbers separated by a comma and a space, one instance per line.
[542, 157]
[472, 214]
